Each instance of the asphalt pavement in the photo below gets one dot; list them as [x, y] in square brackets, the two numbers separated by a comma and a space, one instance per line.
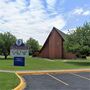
[68, 81]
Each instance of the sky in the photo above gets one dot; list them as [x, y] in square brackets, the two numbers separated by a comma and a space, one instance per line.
[36, 18]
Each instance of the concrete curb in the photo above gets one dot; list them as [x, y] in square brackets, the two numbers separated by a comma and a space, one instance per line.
[51, 71]
[22, 83]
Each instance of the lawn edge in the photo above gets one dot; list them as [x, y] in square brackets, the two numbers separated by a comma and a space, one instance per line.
[22, 83]
[51, 71]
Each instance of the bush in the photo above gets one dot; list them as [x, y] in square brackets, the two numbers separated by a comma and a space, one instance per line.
[83, 56]
[78, 55]
[35, 54]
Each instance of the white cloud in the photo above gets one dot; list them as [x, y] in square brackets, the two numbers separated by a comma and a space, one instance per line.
[33, 22]
[81, 11]
[51, 3]
[78, 11]
[86, 13]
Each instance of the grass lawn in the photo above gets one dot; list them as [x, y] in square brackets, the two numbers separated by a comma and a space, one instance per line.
[8, 81]
[45, 64]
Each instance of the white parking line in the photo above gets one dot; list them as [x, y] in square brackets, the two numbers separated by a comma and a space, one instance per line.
[80, 76]
[57, 79]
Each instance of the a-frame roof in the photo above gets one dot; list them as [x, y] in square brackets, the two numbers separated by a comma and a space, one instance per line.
[62, 35]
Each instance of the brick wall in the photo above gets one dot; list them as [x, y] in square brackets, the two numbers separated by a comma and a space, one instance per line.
[69, 55]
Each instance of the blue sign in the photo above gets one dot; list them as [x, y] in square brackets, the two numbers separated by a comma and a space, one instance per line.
[19, 61]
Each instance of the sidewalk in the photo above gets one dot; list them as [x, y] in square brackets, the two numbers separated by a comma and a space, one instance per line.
[52, 71]
[7, 71]
[23, 72]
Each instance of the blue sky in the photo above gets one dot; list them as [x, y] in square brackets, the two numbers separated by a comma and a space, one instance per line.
[36, 18]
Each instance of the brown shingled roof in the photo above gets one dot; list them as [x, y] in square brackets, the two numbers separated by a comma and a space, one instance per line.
[60, 32]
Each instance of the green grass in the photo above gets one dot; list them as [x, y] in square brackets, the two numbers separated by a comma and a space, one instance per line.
[8, 81]
[45, 64]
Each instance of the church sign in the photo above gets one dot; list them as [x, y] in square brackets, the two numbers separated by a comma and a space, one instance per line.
[19, 51]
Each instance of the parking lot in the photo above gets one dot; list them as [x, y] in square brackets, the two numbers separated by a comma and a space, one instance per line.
[68, 81]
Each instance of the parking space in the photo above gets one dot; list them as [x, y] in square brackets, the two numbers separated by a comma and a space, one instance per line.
[68, 81]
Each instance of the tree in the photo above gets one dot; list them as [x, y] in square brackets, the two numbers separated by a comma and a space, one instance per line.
[6, 40]
[33, 45]
[79, 40]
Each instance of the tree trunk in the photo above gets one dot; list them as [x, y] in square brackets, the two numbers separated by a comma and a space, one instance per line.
[5, 56]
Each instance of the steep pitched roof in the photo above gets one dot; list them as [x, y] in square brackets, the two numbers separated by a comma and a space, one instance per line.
[62, 35]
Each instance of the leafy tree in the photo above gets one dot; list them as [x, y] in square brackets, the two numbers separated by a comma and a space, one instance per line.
[79, 40]
[6, 40]
[33, 45]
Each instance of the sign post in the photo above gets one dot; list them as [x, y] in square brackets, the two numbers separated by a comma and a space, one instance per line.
[19, 51]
